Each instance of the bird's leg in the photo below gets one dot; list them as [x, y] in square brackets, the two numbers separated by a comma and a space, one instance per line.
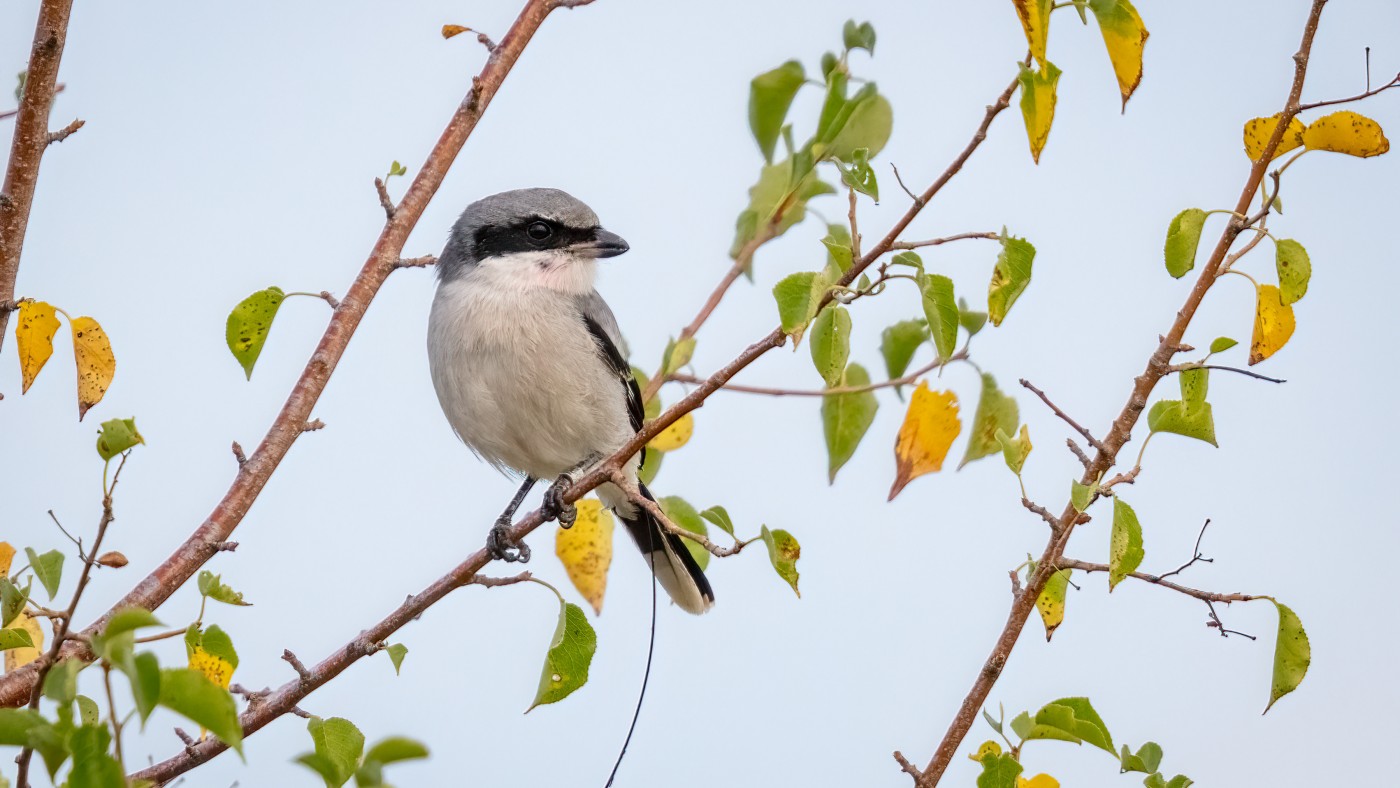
[498, 542]
[554, 506]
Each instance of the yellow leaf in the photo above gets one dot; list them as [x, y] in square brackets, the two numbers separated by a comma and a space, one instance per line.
[585, 550]
[449, 31]
[674, 436]
[928, 431]
[1124, 35]
[988, 747]
[1273, 324]
[96, 364]
[17, 658]
[216, 669]
[7, 555]
[1346, 132]
[1038, 104]
[1051, 602]
[1038, 781]
[34, 335]
[1258, 131]
[1035, 20]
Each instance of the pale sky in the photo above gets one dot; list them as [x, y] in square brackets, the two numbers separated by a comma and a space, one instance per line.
[231, 148]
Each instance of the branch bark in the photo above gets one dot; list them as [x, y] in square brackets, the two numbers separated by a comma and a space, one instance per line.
[1120, 431]
[30, 140]
[253, 475]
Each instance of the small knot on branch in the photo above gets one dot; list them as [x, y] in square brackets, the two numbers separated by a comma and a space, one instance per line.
[225, 547]
[907, 767]
[189, 743]
[329, 299]
[65, 132]
[388, 204]
[239, 455]
[313, 425]
[297, 666]
[415, 262]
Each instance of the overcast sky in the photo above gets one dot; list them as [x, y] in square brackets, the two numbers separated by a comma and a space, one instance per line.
[229, 148]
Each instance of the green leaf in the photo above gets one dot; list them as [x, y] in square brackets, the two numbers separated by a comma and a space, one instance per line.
[1022, 724]
[1014, 450]
[867, 126]
[145, 684]
[191, 694]
[1010, 277]
[996, 412]
[778, 201]
[92, 766]
[12, 600]
[1146, 760]
[1222, 344]
[861, 176]
[1082, 720]
[1294, 270]
[972, 322]
[128, 619]
[570, 653]
[910, 259]
[338, 744]
[898, 344]
[1051, 602]
[783, 552]
[1292, 654]
[1195, 383]
[998, 771]
[1183, 236]
[797, 296]
[212, 586]
[48, 568]
[394, 749]
[1182, 418]
[677, 354]
[15, 638]
[860, 36]
[680, 512]
[61, 683]
[831, 343]
[1081, 495]
[720, 517]
[846, 418]
[248, 325]
[1125, 551]
[396, 652]
[838, 251]
[996, 724]
[770, 96]
[15, 725]
[1158, 781]
[1038, 99]
[941, 310]
[116, 436]
[88, 712]
[217, 643]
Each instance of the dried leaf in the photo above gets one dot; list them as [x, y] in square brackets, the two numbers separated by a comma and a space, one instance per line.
[449, 31]
[1273, 324]
[1124, 35]
[585, 550]
[1346, 132]
[96, 364]
[929, 428]
[1035, 20]
[34, 332]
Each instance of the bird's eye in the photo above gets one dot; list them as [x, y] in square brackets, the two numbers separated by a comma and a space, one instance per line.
[539, 231]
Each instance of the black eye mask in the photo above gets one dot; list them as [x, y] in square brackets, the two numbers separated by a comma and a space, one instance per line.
[519, 236]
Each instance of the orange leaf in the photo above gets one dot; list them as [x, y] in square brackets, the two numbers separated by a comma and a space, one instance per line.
[1273, 325]
[929, 428]
[449, 31]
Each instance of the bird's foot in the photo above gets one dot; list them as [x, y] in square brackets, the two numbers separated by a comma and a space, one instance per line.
[499, 544]
[554, 506]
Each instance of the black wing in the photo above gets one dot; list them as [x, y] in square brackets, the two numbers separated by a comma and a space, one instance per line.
[607, 350]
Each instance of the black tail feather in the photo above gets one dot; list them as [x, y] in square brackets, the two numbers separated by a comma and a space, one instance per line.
[649, 534]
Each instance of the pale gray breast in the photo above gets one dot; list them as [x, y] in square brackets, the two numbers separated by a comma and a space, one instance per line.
[520, 378]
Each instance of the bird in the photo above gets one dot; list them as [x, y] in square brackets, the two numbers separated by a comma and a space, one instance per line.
[526, 360]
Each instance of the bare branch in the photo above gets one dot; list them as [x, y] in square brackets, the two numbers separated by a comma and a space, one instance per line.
[944, 240]
[496, 582]
[292, 660]
[1159, 580]
[1078, 452]
[907, 767]
[65, 132]
[1044, 513]
[1394, 83]
[908, 379]
[416, 262]
[384, 200]
[1222, 368]
[1088, 436]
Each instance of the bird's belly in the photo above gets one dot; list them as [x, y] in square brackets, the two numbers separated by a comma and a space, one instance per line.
[519, 381]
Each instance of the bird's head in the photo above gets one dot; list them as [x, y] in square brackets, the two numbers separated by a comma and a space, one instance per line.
[531, 238]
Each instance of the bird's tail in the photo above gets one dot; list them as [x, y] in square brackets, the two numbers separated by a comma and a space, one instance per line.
[672, 562]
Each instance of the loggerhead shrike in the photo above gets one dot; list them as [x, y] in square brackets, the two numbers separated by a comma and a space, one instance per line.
[524, 357]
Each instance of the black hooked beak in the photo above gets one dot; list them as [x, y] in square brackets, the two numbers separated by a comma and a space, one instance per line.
[603, 244]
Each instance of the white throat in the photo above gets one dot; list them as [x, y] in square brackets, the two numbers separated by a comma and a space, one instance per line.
[560, 271]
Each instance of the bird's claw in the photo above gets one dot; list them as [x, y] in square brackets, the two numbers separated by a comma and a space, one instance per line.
[554, 506]
[499, 544]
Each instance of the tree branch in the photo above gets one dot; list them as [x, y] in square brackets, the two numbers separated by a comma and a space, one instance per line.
[30, 140]
[1121, 429]
[1160, 580]
[252, 475]
[1088, 436]
[910, 379]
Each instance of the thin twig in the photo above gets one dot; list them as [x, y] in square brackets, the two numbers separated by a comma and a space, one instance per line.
[415, 262]
[907, 767]
[496, 582]
[1369, 92]
[1195, 554]
[918, 202]
[909, 379]
[1078, 452]
[635, 496]
[292, 660]
[1222, 368]
[1044, 513]
[1088, 436]
[65, 132]
[944, 240]
[384, 200]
